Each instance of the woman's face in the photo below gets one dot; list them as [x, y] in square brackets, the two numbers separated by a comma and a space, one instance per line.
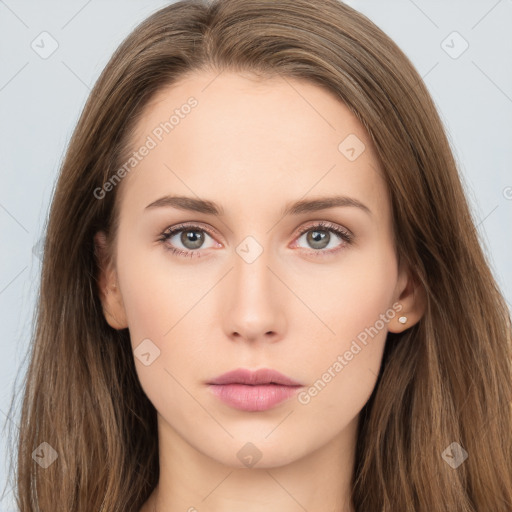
[245, 289]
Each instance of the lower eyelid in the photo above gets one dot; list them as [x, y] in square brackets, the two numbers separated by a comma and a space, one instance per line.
[344, 236]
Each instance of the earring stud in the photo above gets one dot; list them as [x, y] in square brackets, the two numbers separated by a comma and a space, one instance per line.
[402, 319]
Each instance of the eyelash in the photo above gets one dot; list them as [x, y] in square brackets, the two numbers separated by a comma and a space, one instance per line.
[346, 236]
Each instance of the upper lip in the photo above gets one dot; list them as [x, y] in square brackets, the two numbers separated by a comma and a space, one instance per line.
[249, 377]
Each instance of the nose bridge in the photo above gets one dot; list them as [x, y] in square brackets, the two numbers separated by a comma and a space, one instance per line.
[254, 307]
[252, 277]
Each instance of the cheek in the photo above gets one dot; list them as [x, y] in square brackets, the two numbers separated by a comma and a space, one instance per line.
[161, 302]
[156, 292]
[351, 296]
[356, 307]
[370, 290]
[148, 306]
[156, 303]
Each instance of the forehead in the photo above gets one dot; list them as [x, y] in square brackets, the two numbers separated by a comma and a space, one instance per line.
[238, 137]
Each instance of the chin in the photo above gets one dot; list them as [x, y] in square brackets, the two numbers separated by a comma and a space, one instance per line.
[255, 453]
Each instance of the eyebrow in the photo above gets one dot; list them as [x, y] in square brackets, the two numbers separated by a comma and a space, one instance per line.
[295, 208]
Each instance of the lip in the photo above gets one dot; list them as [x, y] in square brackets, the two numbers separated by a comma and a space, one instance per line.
[253, 391]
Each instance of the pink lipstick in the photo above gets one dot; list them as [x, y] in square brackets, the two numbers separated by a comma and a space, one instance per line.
[252, 391]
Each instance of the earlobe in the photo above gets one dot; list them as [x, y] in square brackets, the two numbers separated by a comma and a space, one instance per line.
[412, 300]
[109, 292]
[113, 308]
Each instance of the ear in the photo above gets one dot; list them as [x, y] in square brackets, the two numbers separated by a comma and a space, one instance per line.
[411, 295]
[110, 294]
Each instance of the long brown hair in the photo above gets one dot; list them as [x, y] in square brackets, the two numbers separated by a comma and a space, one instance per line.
[446, 379]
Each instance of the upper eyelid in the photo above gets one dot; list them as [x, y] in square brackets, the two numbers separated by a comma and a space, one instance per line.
[324, 224]
[307, 226]
[327, 225]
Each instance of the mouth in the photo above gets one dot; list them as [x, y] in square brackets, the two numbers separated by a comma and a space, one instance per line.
[253, 391]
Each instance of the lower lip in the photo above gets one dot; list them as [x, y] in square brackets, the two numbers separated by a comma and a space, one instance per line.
[252, 398]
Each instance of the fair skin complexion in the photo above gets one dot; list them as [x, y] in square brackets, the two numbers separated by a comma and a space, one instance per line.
[253, 147]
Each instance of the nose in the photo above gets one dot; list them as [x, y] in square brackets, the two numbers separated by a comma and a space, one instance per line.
[255, 305]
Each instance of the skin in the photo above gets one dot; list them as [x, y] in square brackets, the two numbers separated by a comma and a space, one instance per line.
[253, 146]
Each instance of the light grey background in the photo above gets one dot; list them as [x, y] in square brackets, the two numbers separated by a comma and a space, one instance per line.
[41, 99]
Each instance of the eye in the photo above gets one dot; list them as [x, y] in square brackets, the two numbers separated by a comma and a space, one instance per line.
[191, 237]
[318, 236]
